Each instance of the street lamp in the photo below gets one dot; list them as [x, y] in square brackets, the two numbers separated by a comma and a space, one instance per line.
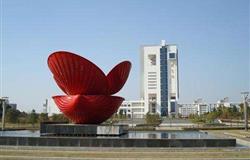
[132, 119]
[245, 95]
[3, 100]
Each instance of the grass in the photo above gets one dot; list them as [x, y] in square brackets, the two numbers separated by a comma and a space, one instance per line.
[13, 126]
[235, 133]
[13, 153]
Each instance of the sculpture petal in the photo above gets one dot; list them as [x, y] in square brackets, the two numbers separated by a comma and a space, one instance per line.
[77, 75]
[93, 109]
[118, 76]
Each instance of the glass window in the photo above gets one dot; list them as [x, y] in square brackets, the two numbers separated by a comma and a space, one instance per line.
[171, 55]
[152, 59]
[153, 108]
[172, 105]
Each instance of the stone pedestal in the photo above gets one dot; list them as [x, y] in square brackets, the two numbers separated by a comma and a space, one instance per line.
[84, 130]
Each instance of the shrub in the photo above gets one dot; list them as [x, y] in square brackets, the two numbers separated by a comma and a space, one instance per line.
[153, 119]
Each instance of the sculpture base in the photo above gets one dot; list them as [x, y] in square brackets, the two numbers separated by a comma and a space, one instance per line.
[83, 130]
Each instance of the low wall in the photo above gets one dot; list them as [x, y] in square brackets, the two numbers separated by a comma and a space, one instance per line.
[57, 129]
[114, 142]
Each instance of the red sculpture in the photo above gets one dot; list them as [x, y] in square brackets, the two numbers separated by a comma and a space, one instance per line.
[88, 89]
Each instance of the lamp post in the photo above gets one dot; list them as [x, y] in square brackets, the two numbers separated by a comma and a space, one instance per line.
[132, 119]
[3, 100]
[245, 95]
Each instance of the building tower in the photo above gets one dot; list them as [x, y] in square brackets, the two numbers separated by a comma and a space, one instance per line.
[159, 78]
[45, 106]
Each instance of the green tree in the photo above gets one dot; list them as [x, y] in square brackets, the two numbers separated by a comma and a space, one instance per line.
[33, 117]
[43, 117]
[59, 118]
[241, 109]
[197, 118]
[23, 118]
[179, 115]
[220, 110]
[12, 115]
[112, 120]
[211, 116]
[153, 119]
[234, 109]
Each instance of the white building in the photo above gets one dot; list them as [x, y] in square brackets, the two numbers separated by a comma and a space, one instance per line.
[186, 109]
[159, 78]
[51, 107]
[226, 103]
[199, 107]
[133, 109]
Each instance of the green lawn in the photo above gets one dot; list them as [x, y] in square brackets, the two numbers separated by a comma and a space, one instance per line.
[20, 126]
[14, 153]
[242, 134]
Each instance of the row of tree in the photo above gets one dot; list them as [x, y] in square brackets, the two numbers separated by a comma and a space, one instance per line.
[16, 116]
[221, 112]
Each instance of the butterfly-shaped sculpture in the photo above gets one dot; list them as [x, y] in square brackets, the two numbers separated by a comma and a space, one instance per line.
[88, 90]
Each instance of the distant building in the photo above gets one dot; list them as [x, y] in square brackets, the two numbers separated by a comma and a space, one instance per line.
[7, 103]
[225, 102]
[45, 106]
[186, 109]
[159, 78]
[52, 108]
[159, 85]
[199, 107]
[13, 105]
[135, 109]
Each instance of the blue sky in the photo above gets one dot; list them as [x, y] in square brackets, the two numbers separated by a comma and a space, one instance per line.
[212, 36]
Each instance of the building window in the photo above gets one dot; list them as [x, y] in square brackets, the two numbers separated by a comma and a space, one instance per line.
[151, 87]
[151, 81]
[172, 106]
[152, 59]
[171, 55]
[153, 108]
